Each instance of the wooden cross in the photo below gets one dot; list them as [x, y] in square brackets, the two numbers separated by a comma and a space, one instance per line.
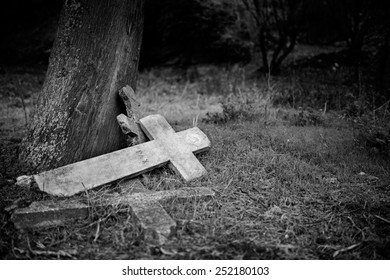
[167, 147]
[145, 206]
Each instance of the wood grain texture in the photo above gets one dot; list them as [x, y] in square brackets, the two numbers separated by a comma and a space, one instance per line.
[145, 205]
[133, 110]
[97, 171]
[95, 54]
[177, 148]
[181, 157]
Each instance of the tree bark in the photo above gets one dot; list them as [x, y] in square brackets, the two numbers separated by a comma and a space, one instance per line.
[95, 53]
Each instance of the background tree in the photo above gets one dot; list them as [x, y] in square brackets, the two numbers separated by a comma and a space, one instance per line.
[377, 45]
[95, 53]
[356, 15]
[192, 31]
[366, 30]
[276, 29]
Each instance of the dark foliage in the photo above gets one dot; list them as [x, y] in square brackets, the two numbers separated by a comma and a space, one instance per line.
[27, 31]
[183, 33]
[276, 25]
[193, 31]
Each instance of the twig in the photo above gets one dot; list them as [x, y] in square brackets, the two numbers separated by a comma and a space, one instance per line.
[324, 111]
[325, 247]
[387, 102]
[91, 206]
[383, 219]
[195, 121]
[335, 254]
[228, 184]
[57, 254]
[359, 229]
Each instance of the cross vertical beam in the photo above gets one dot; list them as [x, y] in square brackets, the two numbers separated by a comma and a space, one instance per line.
[181, 157]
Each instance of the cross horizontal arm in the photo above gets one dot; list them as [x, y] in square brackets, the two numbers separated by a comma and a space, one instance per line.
[87, 174]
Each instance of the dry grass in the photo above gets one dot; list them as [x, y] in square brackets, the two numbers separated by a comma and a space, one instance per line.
[284, 189]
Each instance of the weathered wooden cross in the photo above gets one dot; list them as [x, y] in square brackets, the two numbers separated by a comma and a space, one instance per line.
[145, 206]
[167, 146]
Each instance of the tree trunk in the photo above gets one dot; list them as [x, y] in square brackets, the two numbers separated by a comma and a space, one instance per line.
[95, 54]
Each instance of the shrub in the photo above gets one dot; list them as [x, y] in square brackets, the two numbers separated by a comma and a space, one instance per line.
[308, 117]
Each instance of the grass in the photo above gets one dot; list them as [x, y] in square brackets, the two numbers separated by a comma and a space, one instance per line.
[290, 183]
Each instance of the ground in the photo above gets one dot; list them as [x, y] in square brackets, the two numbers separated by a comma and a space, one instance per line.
[292, 166]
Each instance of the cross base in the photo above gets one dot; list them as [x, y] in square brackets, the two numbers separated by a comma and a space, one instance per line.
[145, 206]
